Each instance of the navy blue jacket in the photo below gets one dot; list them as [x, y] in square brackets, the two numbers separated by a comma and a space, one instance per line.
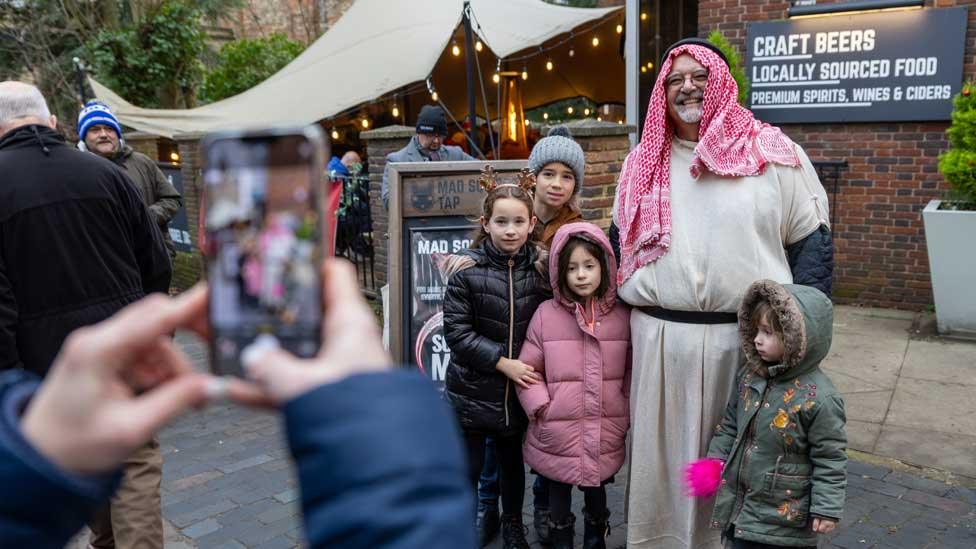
[378, 455]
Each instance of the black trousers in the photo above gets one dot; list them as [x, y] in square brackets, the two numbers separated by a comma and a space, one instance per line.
[511, 468]
[561, 499]
[746, 544]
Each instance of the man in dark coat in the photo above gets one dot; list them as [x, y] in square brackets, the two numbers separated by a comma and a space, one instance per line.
[427, 146]
[101, 133]
[76, 245]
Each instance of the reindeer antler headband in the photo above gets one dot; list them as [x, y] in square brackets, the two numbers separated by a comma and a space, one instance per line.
[489, 180]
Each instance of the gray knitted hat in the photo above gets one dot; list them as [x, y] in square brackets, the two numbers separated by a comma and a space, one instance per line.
[558, 146]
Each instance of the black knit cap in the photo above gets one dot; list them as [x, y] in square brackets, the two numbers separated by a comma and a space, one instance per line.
[432, 120]
[695, 42]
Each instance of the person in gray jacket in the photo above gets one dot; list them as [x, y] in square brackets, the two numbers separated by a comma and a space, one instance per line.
[427, 146]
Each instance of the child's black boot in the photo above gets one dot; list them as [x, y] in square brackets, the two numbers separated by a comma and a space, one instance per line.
[596, 527]
[488, 525]
[562, 533]
[540, 519]
[513, 532]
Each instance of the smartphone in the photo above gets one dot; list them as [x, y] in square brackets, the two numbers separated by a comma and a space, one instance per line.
[264, 233]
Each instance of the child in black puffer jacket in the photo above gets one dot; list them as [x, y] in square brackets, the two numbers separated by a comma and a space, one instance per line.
[489, 302]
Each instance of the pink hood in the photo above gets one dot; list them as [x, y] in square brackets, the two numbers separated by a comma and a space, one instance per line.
[580, 413]
[591, 232]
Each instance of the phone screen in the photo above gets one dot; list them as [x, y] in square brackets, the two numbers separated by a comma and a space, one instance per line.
[264, 232]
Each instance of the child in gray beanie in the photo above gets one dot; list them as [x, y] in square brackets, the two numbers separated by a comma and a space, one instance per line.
[558, 163]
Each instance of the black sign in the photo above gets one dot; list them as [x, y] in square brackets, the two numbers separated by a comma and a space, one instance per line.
[886, 66]
[179, 228]
[430, 242]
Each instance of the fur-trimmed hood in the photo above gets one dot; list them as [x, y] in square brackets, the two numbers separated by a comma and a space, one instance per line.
[805, 314]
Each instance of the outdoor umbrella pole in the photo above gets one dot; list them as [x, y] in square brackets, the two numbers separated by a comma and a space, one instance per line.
[469, 54]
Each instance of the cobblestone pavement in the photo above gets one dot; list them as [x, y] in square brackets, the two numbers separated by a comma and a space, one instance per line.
[228, 483]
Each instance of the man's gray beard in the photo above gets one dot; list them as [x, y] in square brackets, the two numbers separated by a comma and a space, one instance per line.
[689, 115]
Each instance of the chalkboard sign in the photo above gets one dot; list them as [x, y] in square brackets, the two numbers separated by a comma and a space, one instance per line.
[179, 227]
[884, 66]
[433, 211]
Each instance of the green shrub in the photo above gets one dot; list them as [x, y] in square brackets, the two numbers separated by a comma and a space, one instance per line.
[243, 64]
[735, 64]
[958, 164]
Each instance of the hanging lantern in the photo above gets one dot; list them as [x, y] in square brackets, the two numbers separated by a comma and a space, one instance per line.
[514, 144]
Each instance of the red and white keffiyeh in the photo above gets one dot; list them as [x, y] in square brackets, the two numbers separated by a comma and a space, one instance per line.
[731, 143]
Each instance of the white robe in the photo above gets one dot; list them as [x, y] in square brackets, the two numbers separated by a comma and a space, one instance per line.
[726, 233]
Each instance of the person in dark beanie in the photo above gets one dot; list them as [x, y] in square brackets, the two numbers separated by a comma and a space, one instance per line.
[77, 244]
[427, 146]
[101, 133]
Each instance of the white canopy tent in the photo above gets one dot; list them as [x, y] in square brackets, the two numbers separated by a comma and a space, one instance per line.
[377, 47]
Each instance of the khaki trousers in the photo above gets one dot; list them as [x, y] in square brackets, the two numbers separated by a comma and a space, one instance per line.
[133, 519]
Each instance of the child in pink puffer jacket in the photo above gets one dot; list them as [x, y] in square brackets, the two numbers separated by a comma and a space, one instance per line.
[579, 343]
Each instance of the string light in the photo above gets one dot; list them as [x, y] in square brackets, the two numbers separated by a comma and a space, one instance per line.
[643, 17]
[433, 96]
[174, 156]
[571, 52]
[569, 110]
[365, 123]
[526, 121]
[545, 116]
[620, 29]
[599, 119]
[396, 111]
[586, 112]
[478, 45]
[650, 65]
[495, 78]
[335, 134]
[643, 69]
[525, 73]
[596, 41]
[456, 50]
[620, 121]
[549, 65]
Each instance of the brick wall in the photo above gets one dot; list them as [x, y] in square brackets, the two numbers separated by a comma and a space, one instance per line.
[189, 266]
[143, 142]
[379, 143]
[879, 237]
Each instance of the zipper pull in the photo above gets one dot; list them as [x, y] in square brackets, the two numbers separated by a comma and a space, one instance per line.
[511, 262]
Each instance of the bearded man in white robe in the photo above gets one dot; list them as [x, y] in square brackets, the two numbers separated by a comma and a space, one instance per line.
[709, 201]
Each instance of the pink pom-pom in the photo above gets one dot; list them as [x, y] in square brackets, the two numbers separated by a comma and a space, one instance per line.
[703, 477]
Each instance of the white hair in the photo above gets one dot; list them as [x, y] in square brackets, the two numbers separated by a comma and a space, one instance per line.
[19, 100]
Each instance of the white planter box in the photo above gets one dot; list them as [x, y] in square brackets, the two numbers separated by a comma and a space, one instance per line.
[951, 240]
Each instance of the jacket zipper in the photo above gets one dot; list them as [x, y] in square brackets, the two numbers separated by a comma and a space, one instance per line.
[744, 465]
[511, 329]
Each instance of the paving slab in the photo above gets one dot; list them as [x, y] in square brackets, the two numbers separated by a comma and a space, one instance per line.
[928, 448]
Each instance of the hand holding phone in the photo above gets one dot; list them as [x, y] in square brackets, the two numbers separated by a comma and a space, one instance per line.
[264, 235]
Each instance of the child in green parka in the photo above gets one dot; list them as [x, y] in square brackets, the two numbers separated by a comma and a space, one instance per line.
[778, 460]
